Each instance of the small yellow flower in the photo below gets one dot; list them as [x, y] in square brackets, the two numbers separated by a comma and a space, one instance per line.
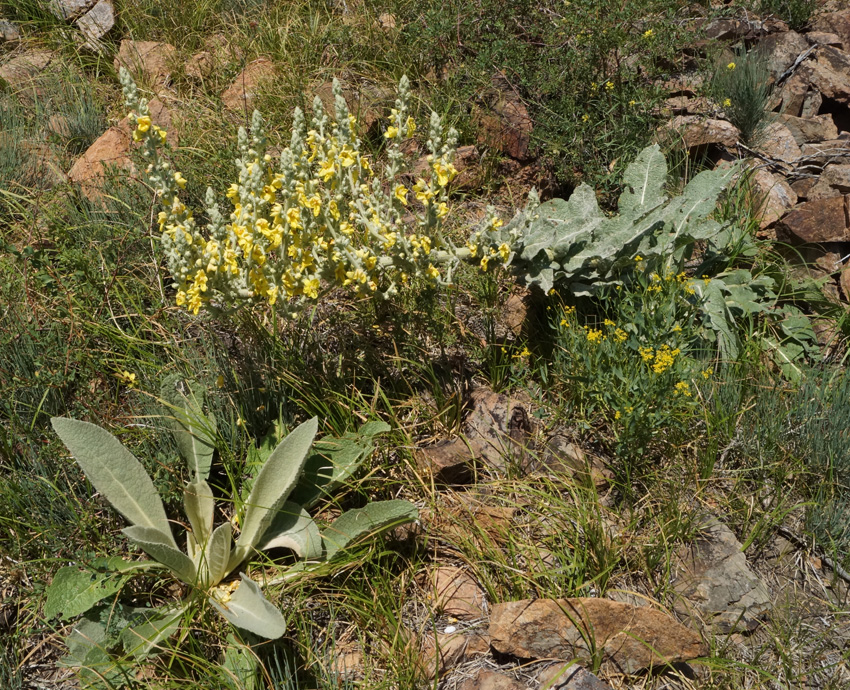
[410, 127]
[730, 66]
[617, 414]
[433, 271]
[180, 180]
[682, 388]
[638, 259]
[632, 103]
[706, 373]
[585, 117]
[391, 133]
[648, 33]
[594, 336]
[609, 85]
[400, 193]
[128, 378]
[620, 335]
[727, 102]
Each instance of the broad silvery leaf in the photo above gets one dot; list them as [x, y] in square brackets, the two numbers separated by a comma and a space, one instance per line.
[115, 472]
[293, 528]
[250, 610]
[193, 430]
[242, 665]
[154, 544]
[215, 557]
[370, 521]
[644, 182]
[74, 591]
[200, 507]
[272, 486]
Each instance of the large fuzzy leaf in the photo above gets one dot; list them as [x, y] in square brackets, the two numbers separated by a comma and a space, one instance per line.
[216, 556]
[353, 526]
[200, 508]
[242, 664]
[155, 545]
[159, 624]
[644, 182]
[249, 610]
[293, 528]
[561, 224]
[115, 472]
[74, 591]
[193, 430]
[272, 486]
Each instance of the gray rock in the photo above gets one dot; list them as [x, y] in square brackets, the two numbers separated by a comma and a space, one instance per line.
[778, 142]
[781, 50]
[808, 129]
[69, 10]
[96, 23]
[837, 23]
[491, 680]
[716, 583]
[569, 677]
[9, 33]
[834, 181]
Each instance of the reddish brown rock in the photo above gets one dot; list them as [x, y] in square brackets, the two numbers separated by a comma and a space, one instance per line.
[778, 143]
[837, 23]
[627, 638]
[242, 93]
[454, 593]
[491, 680]
[440, 652]
[844, 282]
[822, 220]
[111, 150]
[832, 151]
[796, 96]
[802, 188]
[825, 39]
[21, 70]
[808, 129]
[695, 131]
[830, 73]
[781, 50]
[200, 65]
[447, 462]
[148, 61]
[773, 197]
[506, 126]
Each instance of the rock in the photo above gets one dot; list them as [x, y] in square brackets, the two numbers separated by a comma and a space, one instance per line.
[809, 129]
[514, 312]
[778, 143]
[689, 85]
[387, 21]
[19, 72]
[200, 65]
[242, 93]
[470, 175]
[684, 105]
[803, 187]
[844, 282]
[506, 126]
[148, 61]
[569, 677]
[781, 50]
[822, 220]
[455, 593]
[440, 652]
[348, 662]
[491, 680]
[837, 23]
[774, 196]
[112, 148]
[625, 638]
[725, 29]
[69, 10]
[823, 152]
[696, 131]
[716, 583]
[447, 462]
[833, 181]
[96, 23]
[561, 456]
[364, 102]
[9, 33]
[796, 97]
[462, 519]
[830, 73]
[825, 39]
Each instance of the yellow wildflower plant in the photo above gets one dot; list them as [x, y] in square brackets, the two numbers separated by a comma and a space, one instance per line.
[323, 218]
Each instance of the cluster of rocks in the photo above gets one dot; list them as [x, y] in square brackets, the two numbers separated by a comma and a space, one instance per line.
[801, 163]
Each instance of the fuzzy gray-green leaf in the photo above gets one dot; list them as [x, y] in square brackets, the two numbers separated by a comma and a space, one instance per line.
[200, 507]
[140, 640]
[115, 472]
[216, 556]
[293, 528]
[74, 591]
[193, 430]
[644, 182]
[154, 544]
[370, 521]
[272, 486]
[250, 610]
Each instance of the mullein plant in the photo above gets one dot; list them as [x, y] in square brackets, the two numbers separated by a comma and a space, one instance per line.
[325, 218]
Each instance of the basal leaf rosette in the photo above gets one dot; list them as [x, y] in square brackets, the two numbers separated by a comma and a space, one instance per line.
[323, 218]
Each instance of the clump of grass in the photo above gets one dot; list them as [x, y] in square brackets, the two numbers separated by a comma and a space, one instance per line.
[743, 89]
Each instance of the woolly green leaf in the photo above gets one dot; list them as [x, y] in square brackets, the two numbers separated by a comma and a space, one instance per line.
[200, 507]
[561, 224]
[74, 591]
[242, 664]
[272, 486]
[249, 610]
[160, 624]
[114, 472]
[644, 182]
[154, 544]
[216, 556]
[354, 526]
[293, 528]
[193, 430]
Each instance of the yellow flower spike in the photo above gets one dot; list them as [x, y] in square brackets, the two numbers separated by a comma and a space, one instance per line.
[410, 127]
[180, 180]
[442, 210]
[347, 158]
[400, 193]
[143, 123]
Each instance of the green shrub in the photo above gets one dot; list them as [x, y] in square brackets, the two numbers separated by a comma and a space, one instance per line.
[796, 13]
[742, 87]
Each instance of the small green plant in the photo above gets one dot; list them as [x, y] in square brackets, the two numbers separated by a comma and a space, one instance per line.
[796, 13]
[742, 88]
[271, 513]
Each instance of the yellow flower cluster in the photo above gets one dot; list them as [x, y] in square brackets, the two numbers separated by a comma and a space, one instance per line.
[324, 218]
